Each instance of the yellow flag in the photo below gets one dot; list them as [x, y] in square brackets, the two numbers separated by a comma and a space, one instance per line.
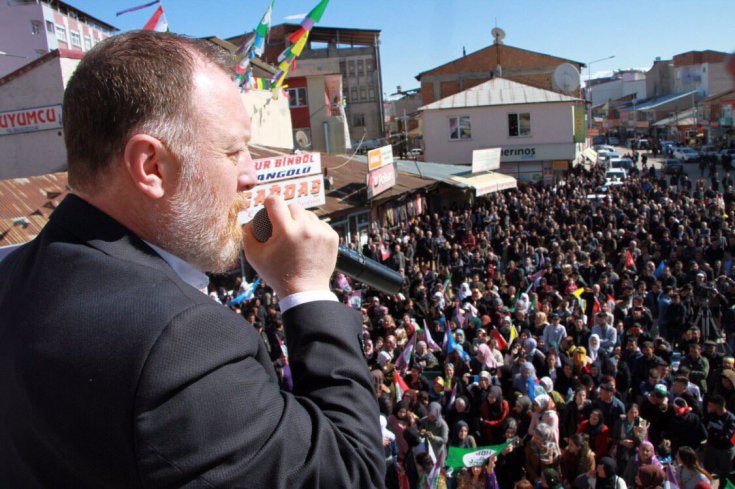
[513, 333]
[578, 293]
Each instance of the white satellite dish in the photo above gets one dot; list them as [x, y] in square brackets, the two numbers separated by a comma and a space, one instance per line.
[565, 78]
[302, 140]
[498, 34]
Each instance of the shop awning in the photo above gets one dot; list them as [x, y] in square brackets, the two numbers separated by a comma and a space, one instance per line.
[488, 182]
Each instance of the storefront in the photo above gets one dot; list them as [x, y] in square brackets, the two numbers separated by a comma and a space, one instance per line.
[538, 162]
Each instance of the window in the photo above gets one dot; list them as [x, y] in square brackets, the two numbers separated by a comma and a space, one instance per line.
[351, 65]
[363, 94]
[36, 27]
[50, 27]
[343, 67]
[519, 124]
[360, 67]
[460, 128]
[368, 65]
[371, 94]
[76, 39]
[60, 33]
[297, 97]
[358, 120]
[87, 43]
[353, 95]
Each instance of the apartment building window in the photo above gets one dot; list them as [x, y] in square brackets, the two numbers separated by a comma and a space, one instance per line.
[358, 120]
[360, 67]
[87, 43]
[76, 39]
[363, 94]
[36, 27]
[60, 33]
[371, 94]
[50, 28]
[519, 124]
[368, 65]
[351, 66]
[353, 95]
[460, 128]
[297, 97]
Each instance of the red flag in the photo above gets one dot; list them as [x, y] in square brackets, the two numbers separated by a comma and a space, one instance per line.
[629, 261]
[502, 343]
[596, 306]
[401, 385]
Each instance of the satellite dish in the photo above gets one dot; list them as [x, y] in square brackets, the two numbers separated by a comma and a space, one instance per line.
[565, 78]
[302, 140]
[498, 34]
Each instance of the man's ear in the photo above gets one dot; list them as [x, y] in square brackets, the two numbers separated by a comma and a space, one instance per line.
[150, 164]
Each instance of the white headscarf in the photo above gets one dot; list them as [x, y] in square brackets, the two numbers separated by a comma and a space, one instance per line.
[592, 352]
[523, 302]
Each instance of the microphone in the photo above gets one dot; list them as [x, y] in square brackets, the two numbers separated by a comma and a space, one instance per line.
[349, 262]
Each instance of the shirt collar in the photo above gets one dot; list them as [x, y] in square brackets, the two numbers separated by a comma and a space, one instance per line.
[184, 270]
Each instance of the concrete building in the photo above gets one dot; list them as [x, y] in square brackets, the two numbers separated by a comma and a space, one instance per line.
[512, 63]
[540, 132]
[352, 53]
[621, 84]
[703, 71]
[660, 78]
[30, 29]
[404, 121]
[31, 135]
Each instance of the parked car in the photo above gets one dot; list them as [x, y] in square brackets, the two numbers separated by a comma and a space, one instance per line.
[416, 152]
[672, 166]
[613, 140]
[603, 147]
[730, 152]
[686, 154]
[625, 163]
[615, 177]
[708, 150]
[638, 144]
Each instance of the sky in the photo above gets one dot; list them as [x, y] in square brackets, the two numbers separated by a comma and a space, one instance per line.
[418, 35]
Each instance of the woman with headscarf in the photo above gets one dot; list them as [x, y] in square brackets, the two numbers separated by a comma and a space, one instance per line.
[544, 411]
[523, 303]
[401, 420]
[461, 437]
[485, 358]
[650, 477]
[493, 412]
[598, 432]
[646, 456]
[526, 382]
[464, 291]
[605, 476]
[533, 354]
[593, 348]
[434, 428]
[542, 452]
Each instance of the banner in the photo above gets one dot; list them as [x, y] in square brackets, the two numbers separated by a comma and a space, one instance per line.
[287, 166]
[485, 160]
[472, 457]
[380, 180]
[30, 120]
[307, 192]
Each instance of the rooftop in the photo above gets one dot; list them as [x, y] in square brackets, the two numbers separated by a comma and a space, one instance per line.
[499, 91]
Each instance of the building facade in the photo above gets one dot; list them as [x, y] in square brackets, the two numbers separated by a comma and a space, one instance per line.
[352, 53]
[703, 71]
[660, 78]
[30, 29]
[621, 84]
[539, 132]
[511, 63]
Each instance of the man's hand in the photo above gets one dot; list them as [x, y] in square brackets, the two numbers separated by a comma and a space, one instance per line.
[300, 254]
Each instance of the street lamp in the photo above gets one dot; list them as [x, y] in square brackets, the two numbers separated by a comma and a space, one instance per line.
[3, 53]
[589, 92]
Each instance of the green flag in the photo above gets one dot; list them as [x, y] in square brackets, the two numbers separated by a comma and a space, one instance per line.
[729, 485]
[471, 457]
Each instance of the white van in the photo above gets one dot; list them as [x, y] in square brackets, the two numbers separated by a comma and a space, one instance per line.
[615, 177]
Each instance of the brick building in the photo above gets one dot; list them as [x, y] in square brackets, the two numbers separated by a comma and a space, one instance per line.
[512, 63]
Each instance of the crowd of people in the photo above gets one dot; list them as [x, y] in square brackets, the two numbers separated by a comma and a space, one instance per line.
[590, 335]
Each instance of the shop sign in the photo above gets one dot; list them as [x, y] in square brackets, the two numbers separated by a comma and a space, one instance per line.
[30, 120]
[485, 160]
[308, 192]
[380, 157]
[538, 152]
[287, 166]
[380, 180]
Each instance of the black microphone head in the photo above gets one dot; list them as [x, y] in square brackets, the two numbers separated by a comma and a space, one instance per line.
[262, 228]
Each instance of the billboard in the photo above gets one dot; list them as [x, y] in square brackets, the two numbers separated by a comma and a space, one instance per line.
[380, 180]
[297, 178]
[380, 157]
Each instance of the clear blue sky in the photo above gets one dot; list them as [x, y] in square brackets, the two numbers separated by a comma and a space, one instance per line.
[418, 35]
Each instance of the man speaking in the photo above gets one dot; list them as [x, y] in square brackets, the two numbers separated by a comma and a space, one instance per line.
[115, 369]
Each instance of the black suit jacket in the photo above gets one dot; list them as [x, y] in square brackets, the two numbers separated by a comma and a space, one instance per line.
[116, 373]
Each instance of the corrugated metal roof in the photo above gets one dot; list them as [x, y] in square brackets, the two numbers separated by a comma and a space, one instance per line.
[499, 91]
[657, 102]
[26, 204]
